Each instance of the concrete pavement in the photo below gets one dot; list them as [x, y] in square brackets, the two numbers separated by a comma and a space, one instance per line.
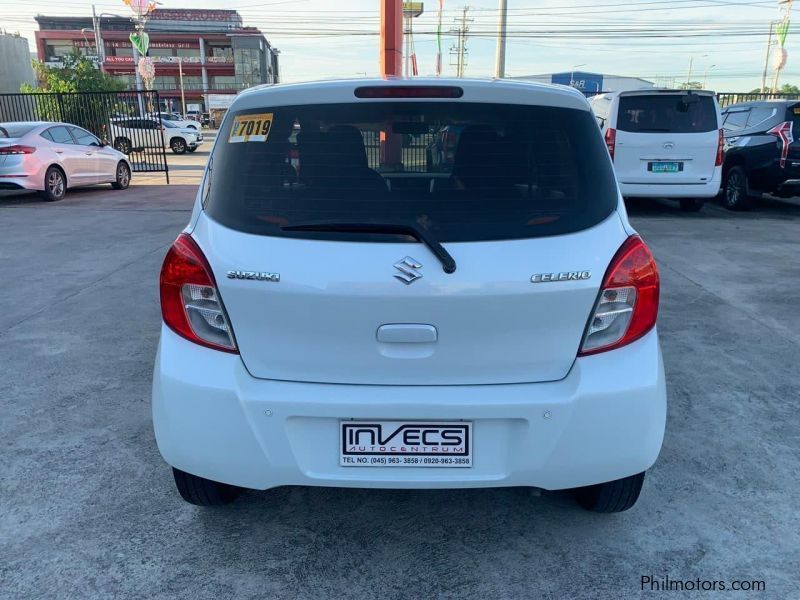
[88, 508]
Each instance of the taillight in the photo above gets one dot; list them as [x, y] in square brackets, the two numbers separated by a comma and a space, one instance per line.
[720, 148]
[627, 307]
[611, 141]
[190, 302]
[409, 91]
[17, 149]
[784, 133]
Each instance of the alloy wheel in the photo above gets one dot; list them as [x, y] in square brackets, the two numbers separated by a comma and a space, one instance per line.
[734, 191]
[55, 183]
[123, 175]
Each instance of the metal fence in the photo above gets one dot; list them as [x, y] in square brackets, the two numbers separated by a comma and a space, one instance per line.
[129, 121]
[415, 151]
[728, 98]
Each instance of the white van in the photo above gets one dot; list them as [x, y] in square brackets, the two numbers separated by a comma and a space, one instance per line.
[664, 143]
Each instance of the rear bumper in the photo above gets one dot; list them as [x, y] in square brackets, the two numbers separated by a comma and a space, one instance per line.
[709, 189]
[21, 183]
[604, 421]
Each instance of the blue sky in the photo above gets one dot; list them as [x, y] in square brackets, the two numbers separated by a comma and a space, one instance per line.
[326, 38]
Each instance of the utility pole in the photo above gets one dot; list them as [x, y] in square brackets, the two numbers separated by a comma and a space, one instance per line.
[390, 59]
[390, 56]
[500, 54]
[460, 49]
[98, 40]
[705, 78]
[766, 58]
[183, 96]
[689, 77]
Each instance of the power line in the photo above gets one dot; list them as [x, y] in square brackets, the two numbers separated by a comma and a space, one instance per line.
[459, 49]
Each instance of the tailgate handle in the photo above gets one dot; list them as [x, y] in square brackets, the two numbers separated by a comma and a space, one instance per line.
[407, 333]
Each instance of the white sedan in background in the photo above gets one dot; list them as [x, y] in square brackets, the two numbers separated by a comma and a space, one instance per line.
[51, 157]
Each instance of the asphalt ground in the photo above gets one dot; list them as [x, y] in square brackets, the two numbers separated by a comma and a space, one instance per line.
[88, 508]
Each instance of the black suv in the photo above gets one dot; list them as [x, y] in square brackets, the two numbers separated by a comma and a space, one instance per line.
[761, 153]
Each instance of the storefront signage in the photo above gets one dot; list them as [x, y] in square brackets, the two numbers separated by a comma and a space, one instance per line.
[127, 44]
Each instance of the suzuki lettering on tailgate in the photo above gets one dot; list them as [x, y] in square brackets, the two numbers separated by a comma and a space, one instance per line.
[404, 444]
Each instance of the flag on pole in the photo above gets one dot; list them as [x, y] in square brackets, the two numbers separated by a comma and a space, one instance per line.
[783, 31]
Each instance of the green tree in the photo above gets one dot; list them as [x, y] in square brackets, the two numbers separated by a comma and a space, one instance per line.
[77, 74]
[786, 88]
[691, 85]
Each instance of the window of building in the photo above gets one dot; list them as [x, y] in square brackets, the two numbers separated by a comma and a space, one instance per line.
[188, 52]
[222, 53]
[57, 49]
[224, 81]
[164, 82]
[193, 82]
[161, 52]
[247, 65]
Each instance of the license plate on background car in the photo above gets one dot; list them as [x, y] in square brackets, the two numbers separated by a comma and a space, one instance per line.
[665, 167]
[405, 444]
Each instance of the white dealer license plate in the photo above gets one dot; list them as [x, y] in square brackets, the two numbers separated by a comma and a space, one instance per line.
[405, 444]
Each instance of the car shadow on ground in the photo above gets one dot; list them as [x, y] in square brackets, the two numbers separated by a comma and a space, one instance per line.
[765, 206]
[177, 196]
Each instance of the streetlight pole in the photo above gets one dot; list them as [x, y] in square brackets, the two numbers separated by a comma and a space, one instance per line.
[500, 54]
[572, 74]
[705, 78]
[691, 64]
[183, 96]
[98, 40]
[766, 58]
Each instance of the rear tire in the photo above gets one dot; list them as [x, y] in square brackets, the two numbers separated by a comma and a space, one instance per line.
[123, 177]
[204, 492]
[610, 497]
[691, 204]
[178, 145]
[55, 185]
[736, 195]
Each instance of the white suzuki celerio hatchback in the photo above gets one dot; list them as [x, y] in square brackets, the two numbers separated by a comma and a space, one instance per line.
[342, 312]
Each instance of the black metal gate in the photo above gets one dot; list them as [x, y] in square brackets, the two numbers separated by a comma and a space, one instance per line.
[129, 121]
[727, 98]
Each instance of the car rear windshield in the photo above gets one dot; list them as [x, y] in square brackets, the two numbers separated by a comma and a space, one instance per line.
[667, 113]
[460, 171]
[15, 130]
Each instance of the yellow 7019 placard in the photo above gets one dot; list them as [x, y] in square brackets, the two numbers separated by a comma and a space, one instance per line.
[250, 128]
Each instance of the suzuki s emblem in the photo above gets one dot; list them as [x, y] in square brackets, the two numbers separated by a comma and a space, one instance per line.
[668, 145]
[408, 270]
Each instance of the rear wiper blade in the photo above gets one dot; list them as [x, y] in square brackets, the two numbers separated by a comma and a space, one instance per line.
[448, 262]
